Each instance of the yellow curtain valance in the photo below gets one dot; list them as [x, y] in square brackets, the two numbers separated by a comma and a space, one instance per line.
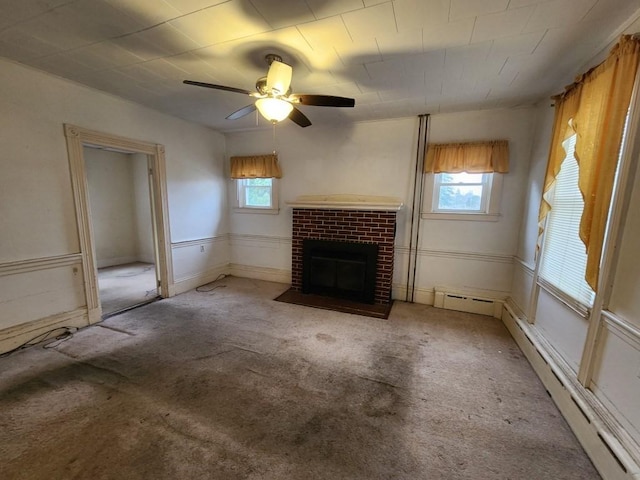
[594, 108]
[472, 157]
[255, 166]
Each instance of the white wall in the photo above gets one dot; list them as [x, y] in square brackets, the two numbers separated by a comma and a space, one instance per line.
[120, 206]
[112, 201]
[378, 158]
[144, 225]
[37, 212]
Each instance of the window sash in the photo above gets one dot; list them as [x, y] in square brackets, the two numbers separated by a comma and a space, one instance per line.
[246, 187]
[439, 184]
[564, 258]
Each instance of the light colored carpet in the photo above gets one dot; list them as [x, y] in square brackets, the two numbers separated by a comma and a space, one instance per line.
[230, 384]
[123, 286]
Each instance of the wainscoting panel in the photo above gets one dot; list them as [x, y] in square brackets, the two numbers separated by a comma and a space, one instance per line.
[521, 285]
[34, 289]
[563, 328]
[485, 275]
[261, 251]
[261, 273]
[423, 296]
[196, 262]
[38, 295]
[616, 380]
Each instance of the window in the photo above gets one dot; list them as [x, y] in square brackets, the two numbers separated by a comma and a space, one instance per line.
[464, 180]
[564, 258]
[463, 196]
[461, 192]
[256, 183]
[257, 195]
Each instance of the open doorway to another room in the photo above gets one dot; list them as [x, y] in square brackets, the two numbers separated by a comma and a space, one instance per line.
[122, 223]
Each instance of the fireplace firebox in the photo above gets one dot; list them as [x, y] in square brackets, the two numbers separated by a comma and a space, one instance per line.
[346, 219]
[340, 269]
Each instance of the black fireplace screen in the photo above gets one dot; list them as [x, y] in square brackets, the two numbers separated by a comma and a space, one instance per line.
[340, 269]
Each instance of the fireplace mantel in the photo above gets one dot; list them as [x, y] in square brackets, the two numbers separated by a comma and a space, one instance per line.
[347, 202]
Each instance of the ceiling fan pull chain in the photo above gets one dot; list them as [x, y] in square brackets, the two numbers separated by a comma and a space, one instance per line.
[274, 138]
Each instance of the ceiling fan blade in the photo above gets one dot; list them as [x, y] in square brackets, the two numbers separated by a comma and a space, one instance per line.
[322, 100]
[217, 87]
[242, 112]
[300, 118]
[279, 78]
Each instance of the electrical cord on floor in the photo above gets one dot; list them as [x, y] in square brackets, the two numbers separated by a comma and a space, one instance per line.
[43, 337]
[202, 289]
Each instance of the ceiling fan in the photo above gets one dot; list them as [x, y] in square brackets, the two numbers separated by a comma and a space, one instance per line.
[274, 98]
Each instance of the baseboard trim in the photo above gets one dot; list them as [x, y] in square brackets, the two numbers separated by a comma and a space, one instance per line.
[423, 296]
[189, 283]
[113, 261]
[260, 273]
[13, 337]
[610, 457]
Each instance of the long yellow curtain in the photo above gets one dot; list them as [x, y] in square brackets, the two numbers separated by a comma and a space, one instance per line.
[472, 157]
[255, 166]
[595, 109]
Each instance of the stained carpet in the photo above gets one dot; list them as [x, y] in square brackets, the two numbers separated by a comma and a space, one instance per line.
[230, 384]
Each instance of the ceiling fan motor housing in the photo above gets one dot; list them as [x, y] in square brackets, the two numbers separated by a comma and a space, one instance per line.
[270, 57]
[261, 87]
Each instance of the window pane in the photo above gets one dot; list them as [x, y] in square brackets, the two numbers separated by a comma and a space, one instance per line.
[460, 198]
[461, 177]
[258, 182]
[257, 196]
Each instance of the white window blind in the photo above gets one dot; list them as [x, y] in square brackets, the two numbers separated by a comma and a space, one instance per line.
[564, 256]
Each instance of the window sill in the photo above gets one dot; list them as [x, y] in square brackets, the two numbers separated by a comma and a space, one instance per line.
[578, 307]
[475, 217]
[263, 211]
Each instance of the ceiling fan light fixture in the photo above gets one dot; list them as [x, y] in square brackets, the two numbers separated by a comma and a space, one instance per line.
[274, 109]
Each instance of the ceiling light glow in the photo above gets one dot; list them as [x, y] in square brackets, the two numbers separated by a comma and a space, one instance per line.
[274, 109]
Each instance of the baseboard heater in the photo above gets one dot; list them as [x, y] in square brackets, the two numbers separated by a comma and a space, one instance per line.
[467, 303]
[609, 455]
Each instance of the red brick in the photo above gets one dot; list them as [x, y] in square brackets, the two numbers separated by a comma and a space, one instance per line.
[347, 225]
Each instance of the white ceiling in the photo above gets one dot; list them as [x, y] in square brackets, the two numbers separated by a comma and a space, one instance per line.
[396, 58]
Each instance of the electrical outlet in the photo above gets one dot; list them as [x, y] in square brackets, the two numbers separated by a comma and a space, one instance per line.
[201, 248]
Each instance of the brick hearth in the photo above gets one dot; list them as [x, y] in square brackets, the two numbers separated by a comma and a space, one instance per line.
[364, 226]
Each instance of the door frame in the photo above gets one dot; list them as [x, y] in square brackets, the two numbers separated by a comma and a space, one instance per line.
[77, 138]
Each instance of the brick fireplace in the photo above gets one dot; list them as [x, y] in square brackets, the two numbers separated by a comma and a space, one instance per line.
[348, 219]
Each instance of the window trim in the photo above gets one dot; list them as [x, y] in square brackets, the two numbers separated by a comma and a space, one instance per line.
[492, 207]
[238, 206]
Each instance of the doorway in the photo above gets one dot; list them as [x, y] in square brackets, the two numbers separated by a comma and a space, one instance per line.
[114, 161]
[122, 224]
